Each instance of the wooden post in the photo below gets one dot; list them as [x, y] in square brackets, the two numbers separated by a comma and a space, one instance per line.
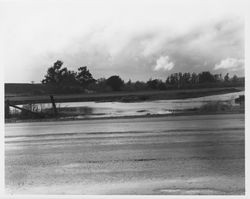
[53, 104]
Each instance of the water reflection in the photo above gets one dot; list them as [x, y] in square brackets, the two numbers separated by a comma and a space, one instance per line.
[117, 109]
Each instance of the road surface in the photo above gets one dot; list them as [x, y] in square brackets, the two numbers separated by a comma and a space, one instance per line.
[164, 155]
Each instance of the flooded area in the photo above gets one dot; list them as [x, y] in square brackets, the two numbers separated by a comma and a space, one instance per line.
[118, 109]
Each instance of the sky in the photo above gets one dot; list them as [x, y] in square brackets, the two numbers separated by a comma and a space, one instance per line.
[135, 39]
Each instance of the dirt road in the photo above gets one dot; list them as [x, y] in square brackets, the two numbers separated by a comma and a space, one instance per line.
[164, 155]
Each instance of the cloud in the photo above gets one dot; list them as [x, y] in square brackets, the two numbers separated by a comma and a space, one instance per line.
[163, 63]
[110, 41]
[230, 64]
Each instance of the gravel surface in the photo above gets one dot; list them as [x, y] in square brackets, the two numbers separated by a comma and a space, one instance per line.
[165, 155]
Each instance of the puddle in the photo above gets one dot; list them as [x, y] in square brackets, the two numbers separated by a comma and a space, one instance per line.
[201, 191]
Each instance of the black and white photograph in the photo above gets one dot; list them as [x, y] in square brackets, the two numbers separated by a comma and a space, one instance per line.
[123, 97]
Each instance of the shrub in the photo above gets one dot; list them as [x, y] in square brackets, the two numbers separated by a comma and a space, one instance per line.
[216, 106]
[115, 82]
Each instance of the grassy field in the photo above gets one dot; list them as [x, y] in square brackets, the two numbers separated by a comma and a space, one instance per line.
[123, 96]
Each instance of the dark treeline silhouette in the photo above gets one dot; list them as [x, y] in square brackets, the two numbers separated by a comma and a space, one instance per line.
[193, 80]
[62, 80]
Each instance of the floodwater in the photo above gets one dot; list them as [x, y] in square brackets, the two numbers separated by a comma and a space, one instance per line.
[117, 109]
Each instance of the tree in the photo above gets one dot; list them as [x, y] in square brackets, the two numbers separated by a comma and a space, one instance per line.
[174, 79]
[100, 85]
[53, 75]
[226, 78]
[156, 84]
[139, 85]
[61, 80]
[206, 77]
[217, 78]
[180, 80]
[152, 83]
[161, 85]
[194, 78]
[129, 86]
[68, 78]
[66, 81]
[186, 79]
[84, 77]
[235, 78]
[115, 82]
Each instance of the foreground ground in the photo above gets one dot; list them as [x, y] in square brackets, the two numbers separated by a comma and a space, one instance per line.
[163, 155]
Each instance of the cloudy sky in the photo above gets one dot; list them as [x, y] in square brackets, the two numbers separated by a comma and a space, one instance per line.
[135, 39]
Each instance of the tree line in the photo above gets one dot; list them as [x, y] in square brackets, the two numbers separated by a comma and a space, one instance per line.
[61, 80]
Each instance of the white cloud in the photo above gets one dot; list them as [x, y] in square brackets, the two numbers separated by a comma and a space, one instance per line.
[163, 63]
[230, 64]
[36, 33]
